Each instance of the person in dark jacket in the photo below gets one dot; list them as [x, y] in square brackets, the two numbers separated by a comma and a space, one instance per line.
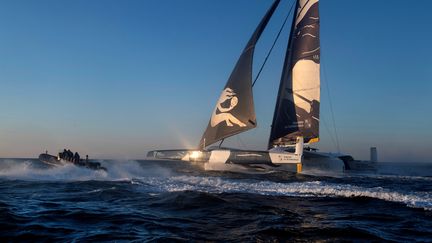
[64, 154]
[70, 155]
[76, 158]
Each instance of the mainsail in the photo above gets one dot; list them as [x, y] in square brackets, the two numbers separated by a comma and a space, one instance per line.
[298, 102]
[234, 111]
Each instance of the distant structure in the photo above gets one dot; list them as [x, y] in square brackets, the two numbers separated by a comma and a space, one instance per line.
[373, 154]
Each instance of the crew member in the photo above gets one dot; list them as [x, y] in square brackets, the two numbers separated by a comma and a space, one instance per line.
[76, 158]
[64, 154]
[70, 155]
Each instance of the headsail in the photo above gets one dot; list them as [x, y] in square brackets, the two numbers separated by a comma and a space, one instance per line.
[234, 111]
[298, 102]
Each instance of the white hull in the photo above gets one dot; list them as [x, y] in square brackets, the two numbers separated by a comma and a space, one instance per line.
[256, 161]
[276, 161]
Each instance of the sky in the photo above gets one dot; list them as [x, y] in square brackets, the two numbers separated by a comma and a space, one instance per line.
[115, 79]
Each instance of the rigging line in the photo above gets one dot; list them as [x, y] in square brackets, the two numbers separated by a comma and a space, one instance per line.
[331, 109]
[323, 121]
[240, 142]
[274, 43]
[220, 144]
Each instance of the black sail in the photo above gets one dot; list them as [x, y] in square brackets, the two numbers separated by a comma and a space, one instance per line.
[234, 111]
[298, 102]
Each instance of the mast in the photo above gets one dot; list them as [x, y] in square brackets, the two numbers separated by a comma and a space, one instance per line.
[297, 106]
[234, 112]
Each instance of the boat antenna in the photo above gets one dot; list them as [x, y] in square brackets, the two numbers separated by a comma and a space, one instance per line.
[274, 43]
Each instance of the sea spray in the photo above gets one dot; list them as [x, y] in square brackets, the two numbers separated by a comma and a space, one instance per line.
[116, 170]
[166, 200]
[292, 189]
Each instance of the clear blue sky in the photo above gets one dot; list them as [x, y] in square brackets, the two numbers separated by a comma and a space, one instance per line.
[114, 79]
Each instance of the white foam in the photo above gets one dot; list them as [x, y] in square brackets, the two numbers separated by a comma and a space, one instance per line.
[116, 171]
[25, 171]
[127, 170]
[297, 189]
[160, 179]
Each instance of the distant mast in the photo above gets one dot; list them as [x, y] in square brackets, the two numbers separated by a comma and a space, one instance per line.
[297, 106]
[234, 112]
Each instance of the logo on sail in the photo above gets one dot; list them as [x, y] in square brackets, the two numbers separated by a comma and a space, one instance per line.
[227, 101]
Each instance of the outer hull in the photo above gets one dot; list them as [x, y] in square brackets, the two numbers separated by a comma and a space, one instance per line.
[51, 160]
[322, 162]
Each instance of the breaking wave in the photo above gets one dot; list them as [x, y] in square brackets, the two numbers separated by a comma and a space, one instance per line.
[155, 179]
[294, 189]
[167, 201]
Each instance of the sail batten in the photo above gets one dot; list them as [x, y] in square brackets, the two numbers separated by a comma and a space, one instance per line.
[234, 112]
[297, 106]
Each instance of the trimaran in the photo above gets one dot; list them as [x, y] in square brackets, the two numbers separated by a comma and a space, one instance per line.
[296, 117]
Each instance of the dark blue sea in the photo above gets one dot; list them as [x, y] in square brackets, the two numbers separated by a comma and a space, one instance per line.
[175, 201]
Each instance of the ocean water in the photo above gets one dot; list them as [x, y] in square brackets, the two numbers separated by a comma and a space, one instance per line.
[176, 201]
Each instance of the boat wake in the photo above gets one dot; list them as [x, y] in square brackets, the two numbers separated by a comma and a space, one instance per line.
[153, 178]
[217, 185]
[116, 171]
